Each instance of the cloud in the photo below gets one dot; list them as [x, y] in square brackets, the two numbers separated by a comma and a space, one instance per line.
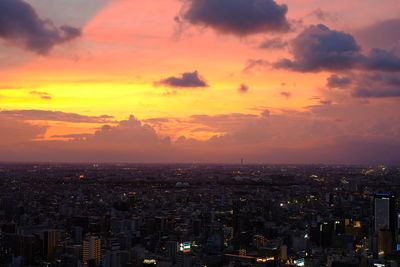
[383, 34]
[274, 43]
[54, 116]
[286, 94]
[81, 136]
[186, 80]
[243, 88]
[157, 120]
[42, 95]
[16, 131]
[325, 102]
[366, 85]
[381, 93]
[319, 48]
[323, 15]
[237, 17]
[127, 132]
[377, 85]
[350, 133]
[335, 81]
[21, 25]
[255, 63]
[382, 60]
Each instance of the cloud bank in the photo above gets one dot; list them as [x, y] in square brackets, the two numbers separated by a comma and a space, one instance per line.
[322, 133]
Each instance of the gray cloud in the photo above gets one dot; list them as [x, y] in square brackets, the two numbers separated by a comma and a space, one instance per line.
[274, 43]
[366, 85]
[319, 48]
[54, 116]
[323, 15]
[21, 25]
[383, 34]
[335, 81]
[377, 85]
[377, 93]
[186, 80]
[238, 17]
[382, 60]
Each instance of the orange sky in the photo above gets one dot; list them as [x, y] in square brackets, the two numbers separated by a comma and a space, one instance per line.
[127, 46]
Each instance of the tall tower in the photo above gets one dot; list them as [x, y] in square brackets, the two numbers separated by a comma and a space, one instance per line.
[384, 212]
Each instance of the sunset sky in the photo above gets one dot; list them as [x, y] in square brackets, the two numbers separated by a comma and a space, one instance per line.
[285, 81]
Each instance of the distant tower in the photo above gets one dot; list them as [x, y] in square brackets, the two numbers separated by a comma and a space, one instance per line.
[241, 162]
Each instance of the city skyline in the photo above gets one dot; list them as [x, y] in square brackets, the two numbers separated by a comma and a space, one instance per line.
[200, 81]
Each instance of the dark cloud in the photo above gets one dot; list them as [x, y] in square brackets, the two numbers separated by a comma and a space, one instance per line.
[274, 43]
[319, 48]
[54, 116]
[42, 95]
[187, 79]
[382, 60]
[21, 25]
[335, 81]
[367, 85]
[238, 17]
[377, 85]
[243, 88]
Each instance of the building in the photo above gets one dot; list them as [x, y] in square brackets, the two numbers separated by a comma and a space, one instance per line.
[92, 249]
[384, 212]
[50, 243]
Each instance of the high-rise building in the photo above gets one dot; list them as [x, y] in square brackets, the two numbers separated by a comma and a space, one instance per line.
[384, 212]
[92, 249]
[78, 233]
[385, 241]
[50, 243]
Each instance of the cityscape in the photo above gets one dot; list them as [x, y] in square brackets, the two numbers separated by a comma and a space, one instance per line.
[199, 133]
[199, 215]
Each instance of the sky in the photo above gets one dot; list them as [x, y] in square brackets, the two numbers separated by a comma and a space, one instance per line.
[200, 81]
